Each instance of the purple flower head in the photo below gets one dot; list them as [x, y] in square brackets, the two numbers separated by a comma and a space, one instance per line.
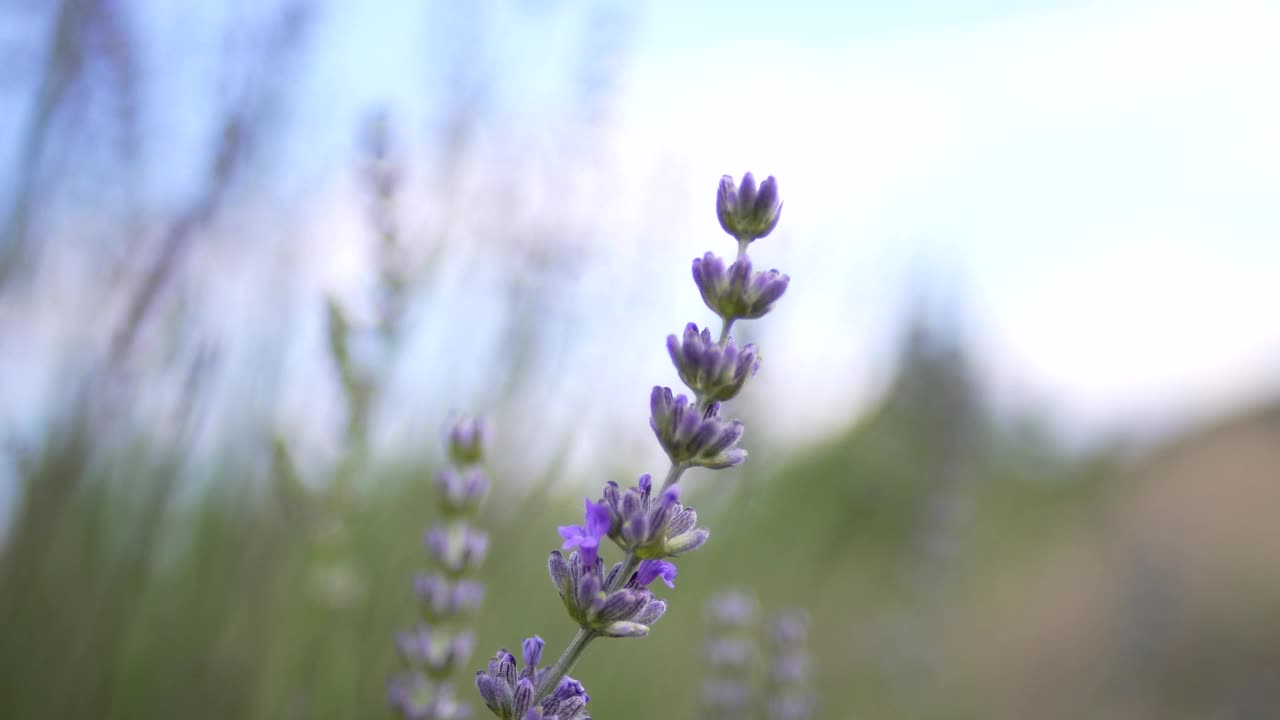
[625, 612]
[416, 699]
[731, 609]
[745, 212]
[713, 372]
[736, 292]
[586, 537]
[693, 438]
[568, 700]
[438, 654]
[651, 570]
[442, 600]
[511, 695]
[467, 439]
[459, 550]
[652, 528]
[461, 493]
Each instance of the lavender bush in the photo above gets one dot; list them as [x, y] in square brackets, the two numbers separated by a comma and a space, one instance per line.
[442, 643]
[647, 522]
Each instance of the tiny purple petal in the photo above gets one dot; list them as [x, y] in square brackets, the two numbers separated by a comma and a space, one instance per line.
[651, 570]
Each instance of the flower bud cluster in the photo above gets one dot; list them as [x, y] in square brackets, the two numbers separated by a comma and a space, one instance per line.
[625, 612]
[745, 212]
[715, 373]
[510, 694]
[737, 292]
[789, 687]
[651, 528]
[434, 650]
[694, 437]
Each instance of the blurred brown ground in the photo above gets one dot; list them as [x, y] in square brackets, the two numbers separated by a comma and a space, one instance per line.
[1165, 605]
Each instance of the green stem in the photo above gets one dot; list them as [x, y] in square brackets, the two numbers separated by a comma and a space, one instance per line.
[562, 667]
[724, 331]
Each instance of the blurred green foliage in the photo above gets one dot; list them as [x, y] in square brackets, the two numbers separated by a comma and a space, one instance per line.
[125, 596]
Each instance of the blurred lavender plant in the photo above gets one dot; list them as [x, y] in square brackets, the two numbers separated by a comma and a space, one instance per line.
[732, 657]
[788, 689]
[435, 649]
[649, 524]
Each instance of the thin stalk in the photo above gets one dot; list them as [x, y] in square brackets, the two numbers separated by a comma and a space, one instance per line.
[562, 667]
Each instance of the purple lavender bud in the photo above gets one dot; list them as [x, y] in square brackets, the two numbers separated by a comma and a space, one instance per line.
[731, 652]
[461, 493]
[652, 612]
[559, 570]
[532, 648]
[499, 687]
[416, 699]
[727, 203]
[441, 601]
[747, 192]
[620, 605]
[567, 702]
[713, 372]
[624, 629]
[414, 645]
[458, 550]
[693, 439]
[745, 212]
[731, 609]
[522, 699]
[568, 688]
[737, 293]
[467, 439]
[688, 542]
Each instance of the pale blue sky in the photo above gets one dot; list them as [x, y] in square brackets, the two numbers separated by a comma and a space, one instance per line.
[1093, 184]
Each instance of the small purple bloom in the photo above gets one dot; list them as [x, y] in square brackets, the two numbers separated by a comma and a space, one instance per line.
[651, 570]
[586, 537]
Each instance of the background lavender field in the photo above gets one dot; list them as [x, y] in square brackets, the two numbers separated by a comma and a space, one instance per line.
[1013, 441]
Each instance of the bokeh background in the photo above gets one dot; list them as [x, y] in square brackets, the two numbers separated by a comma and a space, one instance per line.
[1015, 440]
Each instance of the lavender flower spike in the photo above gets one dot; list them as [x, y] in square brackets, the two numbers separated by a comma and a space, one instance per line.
[434, 650]
[649, 524]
